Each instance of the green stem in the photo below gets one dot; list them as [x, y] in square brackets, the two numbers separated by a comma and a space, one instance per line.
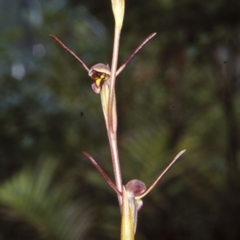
[112, 117]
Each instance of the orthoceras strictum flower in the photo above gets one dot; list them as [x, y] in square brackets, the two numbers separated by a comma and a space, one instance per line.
[100, 72]
[132, 195]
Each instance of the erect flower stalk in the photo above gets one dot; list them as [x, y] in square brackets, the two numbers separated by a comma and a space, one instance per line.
[118, 7]
[129, 196]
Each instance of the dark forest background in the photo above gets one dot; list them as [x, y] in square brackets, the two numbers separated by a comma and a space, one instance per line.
[180, 92]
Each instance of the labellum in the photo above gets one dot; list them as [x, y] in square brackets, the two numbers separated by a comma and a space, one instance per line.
[99, 73]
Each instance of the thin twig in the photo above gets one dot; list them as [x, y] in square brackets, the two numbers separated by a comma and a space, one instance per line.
[161, 175]
[69, 51]
[109, 181]
[135, 52]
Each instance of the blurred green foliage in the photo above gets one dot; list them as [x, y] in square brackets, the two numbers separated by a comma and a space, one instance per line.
[181, 91]
[49, 207]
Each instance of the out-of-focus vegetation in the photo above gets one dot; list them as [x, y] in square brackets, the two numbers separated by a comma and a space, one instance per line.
[181, 91]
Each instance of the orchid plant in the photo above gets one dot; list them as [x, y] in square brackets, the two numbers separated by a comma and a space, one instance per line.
[104, 78]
